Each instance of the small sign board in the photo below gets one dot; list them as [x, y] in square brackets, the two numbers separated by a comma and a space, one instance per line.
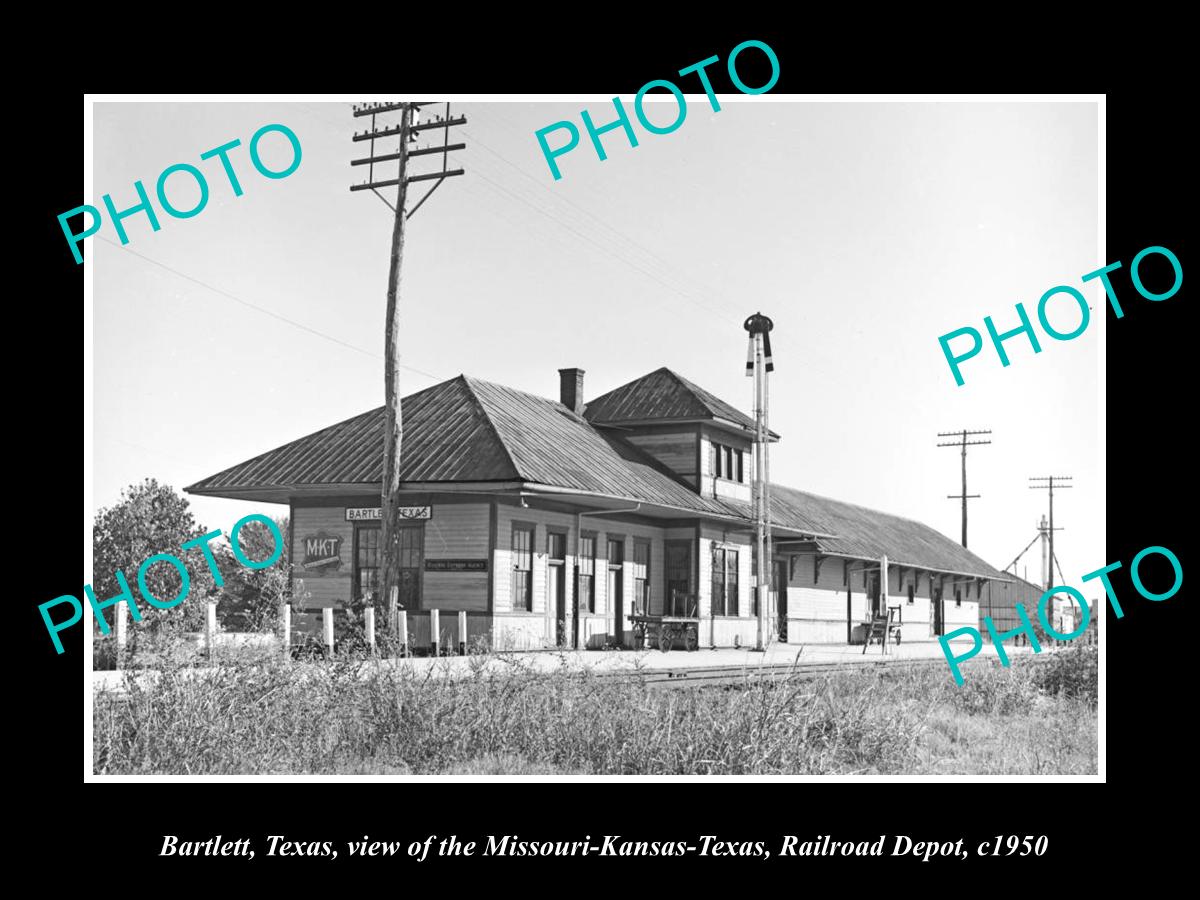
[375, 513]
[322, 553]
[456, 565]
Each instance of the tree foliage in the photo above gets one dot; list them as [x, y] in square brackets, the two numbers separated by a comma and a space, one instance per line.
[151, 518]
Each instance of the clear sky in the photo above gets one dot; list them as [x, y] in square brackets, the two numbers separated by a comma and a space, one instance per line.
[865, 230]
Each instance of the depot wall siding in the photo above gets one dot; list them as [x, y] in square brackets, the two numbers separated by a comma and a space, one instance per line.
[598, 626]
[817, 611]
[329, 586]
[676, 450]
[456, 531]
[741, 628]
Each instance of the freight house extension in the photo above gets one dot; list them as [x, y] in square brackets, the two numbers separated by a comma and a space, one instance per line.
[550, 523]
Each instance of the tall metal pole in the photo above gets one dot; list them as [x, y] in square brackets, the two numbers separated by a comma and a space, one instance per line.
[769, 564]
[760, 464]
[760, 364]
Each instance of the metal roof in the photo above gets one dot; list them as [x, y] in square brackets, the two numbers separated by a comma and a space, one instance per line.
[468, 431]
[662, 395]
[868, 534]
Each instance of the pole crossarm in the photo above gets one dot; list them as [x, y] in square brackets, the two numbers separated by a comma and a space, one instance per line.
[389, 157]
[391, 182]
[413, 129]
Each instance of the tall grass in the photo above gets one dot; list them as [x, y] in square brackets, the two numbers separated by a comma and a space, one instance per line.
[366, 717]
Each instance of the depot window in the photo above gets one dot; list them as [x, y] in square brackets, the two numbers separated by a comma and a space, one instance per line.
[724, 581]
[729, 463]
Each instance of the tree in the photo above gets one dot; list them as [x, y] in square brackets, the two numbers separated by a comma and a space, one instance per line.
[151, 518]
[251, 598]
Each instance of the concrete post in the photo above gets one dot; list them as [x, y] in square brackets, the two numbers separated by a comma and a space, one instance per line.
[210, 629]
[402, 631]
[327, 627]
[285, 638]
[462, 633]
[369, 626]
[121, 616]
[435, 632]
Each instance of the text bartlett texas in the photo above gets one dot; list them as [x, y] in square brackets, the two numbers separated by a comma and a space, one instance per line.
[513, 845]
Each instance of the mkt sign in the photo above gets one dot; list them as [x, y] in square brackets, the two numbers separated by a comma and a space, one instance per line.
[322, 553]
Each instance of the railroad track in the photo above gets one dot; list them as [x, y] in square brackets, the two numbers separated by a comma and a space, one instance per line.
[724, 676]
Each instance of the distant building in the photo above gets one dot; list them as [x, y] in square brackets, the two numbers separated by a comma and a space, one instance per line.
[1063, 611]
[549, 522]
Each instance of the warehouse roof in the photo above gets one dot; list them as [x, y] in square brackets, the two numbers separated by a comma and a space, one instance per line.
[465, 430]
[867, 534]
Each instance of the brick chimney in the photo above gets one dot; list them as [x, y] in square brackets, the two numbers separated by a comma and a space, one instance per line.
[570, 389]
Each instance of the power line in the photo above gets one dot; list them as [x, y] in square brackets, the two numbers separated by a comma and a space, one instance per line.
[590, 239]
[666, 265]
[261, 309]
[632, 265]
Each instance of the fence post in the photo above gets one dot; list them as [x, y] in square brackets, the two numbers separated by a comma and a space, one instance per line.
[121, 614]
[210, 628]
[394, 613]
[402, 631]
[462, 633]
[286, 638]
[327, 623]
[369, 626]
[435, 636]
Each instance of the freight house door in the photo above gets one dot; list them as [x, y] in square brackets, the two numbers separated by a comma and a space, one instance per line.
[678, 573]
[781, 596]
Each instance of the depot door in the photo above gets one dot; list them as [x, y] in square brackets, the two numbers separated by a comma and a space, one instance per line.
[939, 623]
[556, 553]
[780, 583]
[678, 572]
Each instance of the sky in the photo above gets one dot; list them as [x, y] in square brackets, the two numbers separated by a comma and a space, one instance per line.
[864, 230]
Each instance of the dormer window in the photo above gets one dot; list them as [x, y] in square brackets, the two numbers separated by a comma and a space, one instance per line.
[729, 463]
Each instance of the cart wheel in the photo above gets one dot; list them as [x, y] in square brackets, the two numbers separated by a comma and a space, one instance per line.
[665, 639]
[691, 640]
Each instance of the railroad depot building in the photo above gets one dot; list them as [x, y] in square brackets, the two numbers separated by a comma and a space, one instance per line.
[549, 522]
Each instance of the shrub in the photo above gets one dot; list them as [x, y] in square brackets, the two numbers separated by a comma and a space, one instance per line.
[499, 715]
[1073, 673]
[104, 652]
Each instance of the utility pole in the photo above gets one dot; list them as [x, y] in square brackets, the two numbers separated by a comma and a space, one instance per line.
[759, 363]
[963, 443]
[406, 131]
[1050, 529]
